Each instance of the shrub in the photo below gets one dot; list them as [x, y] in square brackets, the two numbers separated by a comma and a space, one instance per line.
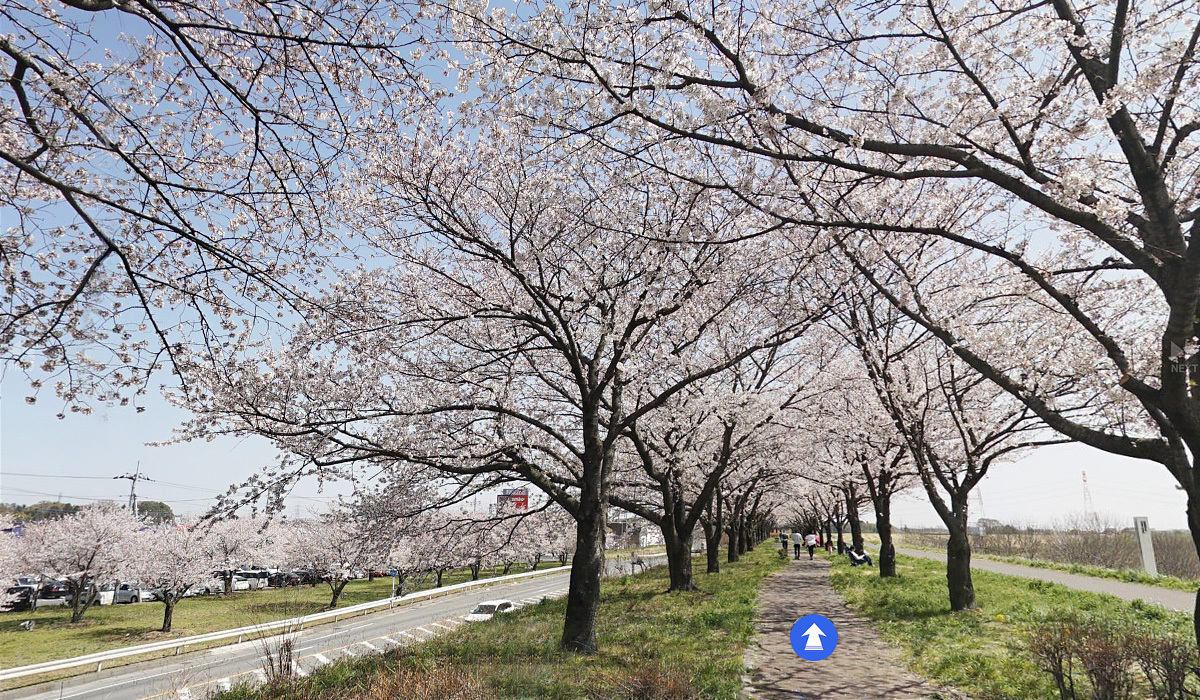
[1167, 660]
[1052, 644]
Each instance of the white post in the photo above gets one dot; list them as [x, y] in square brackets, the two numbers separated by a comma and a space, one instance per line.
[1142, 527]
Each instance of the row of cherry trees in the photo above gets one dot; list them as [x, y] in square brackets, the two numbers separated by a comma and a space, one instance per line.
[103, 545]
[701, 261]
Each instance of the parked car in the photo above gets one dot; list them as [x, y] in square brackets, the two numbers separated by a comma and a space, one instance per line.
[54, 590]
[282, 579]
[18, 598]
[256, 578]
[489, 608]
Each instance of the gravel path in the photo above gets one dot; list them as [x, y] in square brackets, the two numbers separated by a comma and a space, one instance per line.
[1174, 600]
[863, 665]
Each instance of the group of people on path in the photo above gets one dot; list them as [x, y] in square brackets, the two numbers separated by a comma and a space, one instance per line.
[813, 540]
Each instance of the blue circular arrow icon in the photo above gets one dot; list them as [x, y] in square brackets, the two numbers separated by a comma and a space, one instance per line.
[814, 637]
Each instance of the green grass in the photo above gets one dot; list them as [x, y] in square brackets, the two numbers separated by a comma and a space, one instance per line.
[114, 626]
[1128, 575]
[689, 642]
[980, 652]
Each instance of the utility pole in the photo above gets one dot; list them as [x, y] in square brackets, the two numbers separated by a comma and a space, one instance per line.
[1089, 508]
[133, 479]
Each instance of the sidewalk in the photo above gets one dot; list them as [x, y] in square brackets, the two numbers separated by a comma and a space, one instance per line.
[863, 667]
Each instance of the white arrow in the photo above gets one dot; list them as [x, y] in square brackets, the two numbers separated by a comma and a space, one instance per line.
[814, 634]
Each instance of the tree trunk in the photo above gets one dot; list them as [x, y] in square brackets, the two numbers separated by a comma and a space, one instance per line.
[440, 573]
[228, 578]
[337, 587]
[1193, 513]
[712, 549]
[587, 568]
[168, 612]
[475, 567]
[958, 570]
[679, 558]
[841, 541]
[82, 598]
[734, 550]
[883, 525]
[856, 536]
[828, 531]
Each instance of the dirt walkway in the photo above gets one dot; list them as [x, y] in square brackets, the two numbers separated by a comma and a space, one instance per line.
[863, 667]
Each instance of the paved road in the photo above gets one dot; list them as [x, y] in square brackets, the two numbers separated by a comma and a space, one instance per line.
[1174, 600]
[192, 676]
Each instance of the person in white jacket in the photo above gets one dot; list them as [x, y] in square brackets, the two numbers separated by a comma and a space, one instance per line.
[811, 541]
[797, 543]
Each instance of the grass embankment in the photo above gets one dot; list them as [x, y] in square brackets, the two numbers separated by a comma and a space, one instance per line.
[652, 645]
[983, 652]
[1128, 575]
[115, 626]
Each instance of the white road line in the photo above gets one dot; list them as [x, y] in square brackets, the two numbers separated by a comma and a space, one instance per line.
[184, 694]
[410, 636]
[224, 685]
[425, 631]
[139, 679]
[370, 646]
[334, 634]
[346, 651]
[297, 671]
[261, 675]
[321, 659]
[438, 624]
[391, 641]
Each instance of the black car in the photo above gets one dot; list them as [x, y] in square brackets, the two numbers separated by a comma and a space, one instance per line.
[54, 590]
[281, 579]
[18, 598]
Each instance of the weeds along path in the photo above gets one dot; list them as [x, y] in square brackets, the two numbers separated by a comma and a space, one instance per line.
[863, 665]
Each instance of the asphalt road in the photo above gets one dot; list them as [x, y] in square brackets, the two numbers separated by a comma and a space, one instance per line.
[1166, 597]
[192, 676]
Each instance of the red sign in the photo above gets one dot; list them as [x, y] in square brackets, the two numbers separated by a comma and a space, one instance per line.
[517, 498]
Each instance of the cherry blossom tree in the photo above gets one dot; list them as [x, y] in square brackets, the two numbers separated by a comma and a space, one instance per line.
[686, 448]
[529, 289]
[85, 549]
[1050, 140]
[165, 168]
[333, 545]
[954, 422]
[232, 542]
[171, 559]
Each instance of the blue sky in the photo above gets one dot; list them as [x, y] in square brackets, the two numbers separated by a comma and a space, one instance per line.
[112, 441]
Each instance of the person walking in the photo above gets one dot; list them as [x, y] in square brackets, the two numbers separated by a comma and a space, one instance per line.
[810, 541]
[797, 541]
[783, 540]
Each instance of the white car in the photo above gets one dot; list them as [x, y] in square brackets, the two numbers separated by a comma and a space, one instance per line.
[488, 608]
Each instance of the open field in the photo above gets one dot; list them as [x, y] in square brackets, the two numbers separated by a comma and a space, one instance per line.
[113, 626]
[985, 652]
[676, 645]
[937, 543]
[1114, 549]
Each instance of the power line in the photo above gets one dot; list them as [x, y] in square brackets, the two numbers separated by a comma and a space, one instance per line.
[51, 476]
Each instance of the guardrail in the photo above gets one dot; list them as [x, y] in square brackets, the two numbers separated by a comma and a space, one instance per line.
[294, 624]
